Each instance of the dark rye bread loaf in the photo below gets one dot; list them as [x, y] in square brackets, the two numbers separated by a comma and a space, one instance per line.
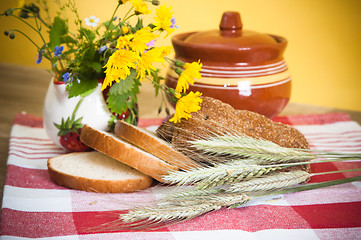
[218, 117]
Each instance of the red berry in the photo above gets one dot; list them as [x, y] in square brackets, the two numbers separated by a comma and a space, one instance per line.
[123, 116]
[71, 142]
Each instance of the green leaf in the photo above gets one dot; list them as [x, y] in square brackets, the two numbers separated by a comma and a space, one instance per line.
[67, 39]
[118, 103]
[126, 85]
[57, 31]
[96, 66]
[87, 33]
[81, 87]
[88, 54]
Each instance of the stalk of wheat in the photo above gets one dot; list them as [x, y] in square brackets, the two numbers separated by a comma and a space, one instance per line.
[170, 211]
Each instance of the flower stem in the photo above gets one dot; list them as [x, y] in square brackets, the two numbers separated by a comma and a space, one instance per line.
[126, 15]
[37, 31]
[15, 30]
[111, 19]
[125, 19]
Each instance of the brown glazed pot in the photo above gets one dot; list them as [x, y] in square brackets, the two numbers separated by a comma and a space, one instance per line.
[243, 68]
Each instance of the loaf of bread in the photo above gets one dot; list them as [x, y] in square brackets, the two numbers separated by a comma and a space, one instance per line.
[126, 152]
[218, 118]
[96, 172]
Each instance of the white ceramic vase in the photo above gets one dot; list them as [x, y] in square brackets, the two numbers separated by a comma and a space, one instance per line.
[57, 105]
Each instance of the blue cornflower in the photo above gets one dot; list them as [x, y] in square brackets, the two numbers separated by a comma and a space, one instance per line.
[173, 21]
[67, 77]
[102, 49]
[40, 56]
[58, 50]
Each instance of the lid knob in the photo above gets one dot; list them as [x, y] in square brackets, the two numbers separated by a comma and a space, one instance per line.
[231, 23]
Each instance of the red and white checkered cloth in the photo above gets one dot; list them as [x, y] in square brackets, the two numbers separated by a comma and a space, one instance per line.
[34, 207]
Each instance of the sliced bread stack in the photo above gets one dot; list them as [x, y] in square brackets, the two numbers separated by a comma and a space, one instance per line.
[138, 156]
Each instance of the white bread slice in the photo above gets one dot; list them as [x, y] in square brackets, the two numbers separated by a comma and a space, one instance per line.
[96, 172]
[151, 143]
[125, 152]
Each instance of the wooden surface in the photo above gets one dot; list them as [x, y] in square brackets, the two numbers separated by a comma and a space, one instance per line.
[23, 90]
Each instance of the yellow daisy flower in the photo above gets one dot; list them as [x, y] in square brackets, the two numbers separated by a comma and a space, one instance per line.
[124, 41]
[163, 20]
[191, 72]
[118, 66]
[140, 7]
[145, 63]
[186, 105]
[141, 38]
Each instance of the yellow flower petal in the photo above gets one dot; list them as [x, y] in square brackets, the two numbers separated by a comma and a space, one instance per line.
[191, 72]
[124, 41]
[146, 61]
[118, 66]
[163, 19]
[140, 6]
[187, 105]
[141, 38]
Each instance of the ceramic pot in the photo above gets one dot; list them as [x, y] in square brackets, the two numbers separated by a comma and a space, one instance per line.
[57, 105]
[241, 67]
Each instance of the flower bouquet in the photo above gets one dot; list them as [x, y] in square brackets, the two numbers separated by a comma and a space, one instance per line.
[111, 59]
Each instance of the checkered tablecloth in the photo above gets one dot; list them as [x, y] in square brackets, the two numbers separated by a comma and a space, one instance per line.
[35, 207]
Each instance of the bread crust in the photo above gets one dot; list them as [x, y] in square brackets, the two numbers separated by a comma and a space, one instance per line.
[153, 144]
[124, 152]
[97, 185]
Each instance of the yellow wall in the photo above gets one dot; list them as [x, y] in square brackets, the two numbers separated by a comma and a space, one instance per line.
[323, 53]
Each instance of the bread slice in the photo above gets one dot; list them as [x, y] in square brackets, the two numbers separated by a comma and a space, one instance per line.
[151, 143]
[96, 172]
[125, 152]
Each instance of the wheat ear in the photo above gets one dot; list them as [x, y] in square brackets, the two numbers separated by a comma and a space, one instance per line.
[259, 150]
[170, 212]
[194, 192]
[269, 182]
[212, 174]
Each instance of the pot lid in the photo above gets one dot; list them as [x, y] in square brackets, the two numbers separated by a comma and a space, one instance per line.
[229, 45]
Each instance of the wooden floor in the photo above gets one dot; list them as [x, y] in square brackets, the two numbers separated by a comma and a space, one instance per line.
[22, 89]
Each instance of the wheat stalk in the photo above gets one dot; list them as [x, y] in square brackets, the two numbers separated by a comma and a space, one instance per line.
[173, 211]
[273, 181]
[259, 151]
[227, 172]
[194, 192]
